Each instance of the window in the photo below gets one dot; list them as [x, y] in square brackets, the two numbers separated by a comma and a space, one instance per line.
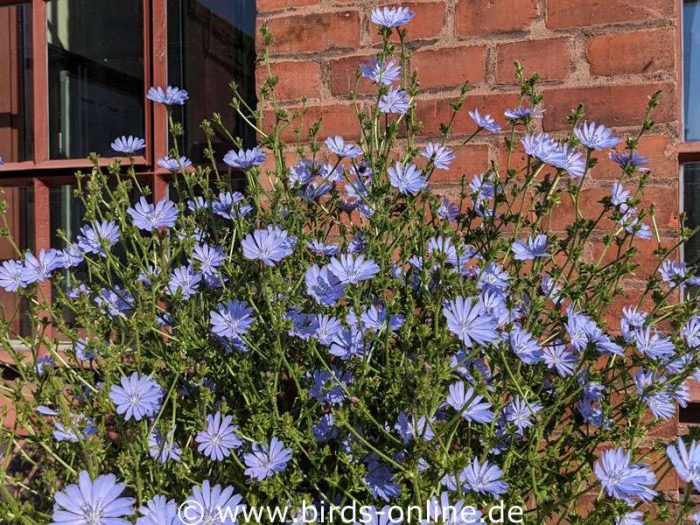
[689, 150]
[77, 74]
[211, 43]
[16, 82]
[95, 74]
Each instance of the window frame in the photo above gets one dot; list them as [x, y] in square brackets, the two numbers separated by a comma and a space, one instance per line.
[41, 172]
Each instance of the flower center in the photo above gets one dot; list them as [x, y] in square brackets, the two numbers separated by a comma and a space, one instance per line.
[92, 515]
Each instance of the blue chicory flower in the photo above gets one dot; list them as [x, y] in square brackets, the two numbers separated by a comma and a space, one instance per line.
[128, 145]
[244, 159]
[219, 437]
[37, 269]
[483, 478]
[11, 276]
[174, 165]
[231, 206]
[686, 461]
[231, 320]
[148, 217]
[116, 302]
[162, 447]
[343, 149]
[407, 179]
[266, 460]
[216, 505]
[323, 285]
[381, 72]
[269, 246]
[353, 270]
[185, 281]
[391, 17]
[170, 96]
[531, 248]
[486, 122]
[97, 502]
[442, 156]
[137, 396]
[624, 480]
[158, 511]
[595, 137]
[469, 404]
[469, 321]
[395, 101]
[98, 237]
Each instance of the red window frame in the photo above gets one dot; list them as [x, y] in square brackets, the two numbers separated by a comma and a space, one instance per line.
[40, 172]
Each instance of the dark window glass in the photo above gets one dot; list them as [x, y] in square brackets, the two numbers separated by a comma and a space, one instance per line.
[19, 221]
[16, 83]
[691, 205]
[211, 43]
[691, 68]
[96, 74]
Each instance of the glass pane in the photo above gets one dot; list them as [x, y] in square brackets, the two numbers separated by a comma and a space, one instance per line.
[211, 43]
[691, 66]
[16, 83]
[19, 221]
[96, 74]
[691, 205]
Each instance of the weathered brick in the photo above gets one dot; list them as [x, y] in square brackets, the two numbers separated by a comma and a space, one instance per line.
[271, 5]
[469, 160]
[450, 66]
[577, 13]
[316, 32]
[631, 52]
[433, 112]
[549, 57]
[336, 119]
[614, 105]
[296, 79]
[478, 17]
[659, 149]
[343, 77]
[428, 23]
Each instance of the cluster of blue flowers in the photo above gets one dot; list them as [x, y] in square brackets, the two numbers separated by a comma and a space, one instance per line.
[348, 332]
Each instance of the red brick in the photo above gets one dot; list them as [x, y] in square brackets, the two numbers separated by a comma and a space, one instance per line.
[428, 22]
[336, 119]
[665, 200]
[575, 13]
[477, 17]
[659, 149]
[632, 52]
[469, 160]
[434, 112]
[296, 79]
[316, 32]
[611, 105]
[646, 259]
[343, 76]
[550, 58]
[271, 5]
[450, 66]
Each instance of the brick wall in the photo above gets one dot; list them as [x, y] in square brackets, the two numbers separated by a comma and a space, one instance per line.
[609, 54]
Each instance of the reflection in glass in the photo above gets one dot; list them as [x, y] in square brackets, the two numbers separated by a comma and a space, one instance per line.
[211, 43]
[16, 139]
[691, 68]
[691, 206]
[19, 220]
[96, 74]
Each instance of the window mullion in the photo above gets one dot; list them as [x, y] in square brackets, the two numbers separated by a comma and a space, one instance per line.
[40, 72]
[159, 77]
[42, 236]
